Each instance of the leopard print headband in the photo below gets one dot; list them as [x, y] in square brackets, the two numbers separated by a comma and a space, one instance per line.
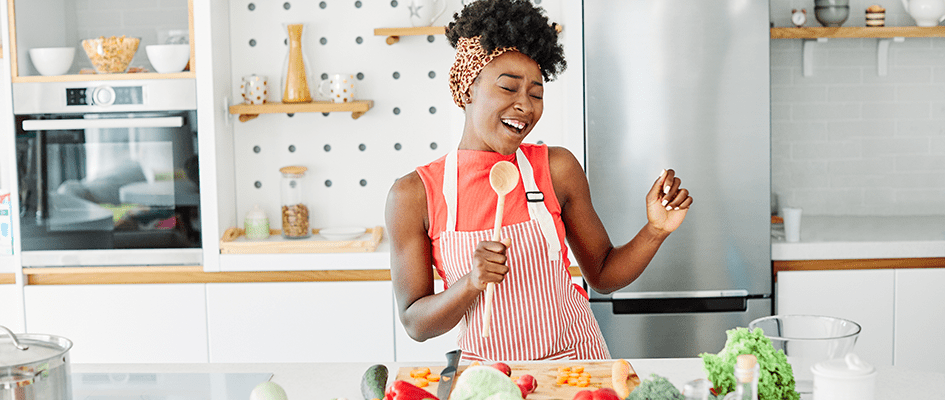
[471, 58]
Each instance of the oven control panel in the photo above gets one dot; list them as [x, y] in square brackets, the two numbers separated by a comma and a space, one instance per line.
[104, 96]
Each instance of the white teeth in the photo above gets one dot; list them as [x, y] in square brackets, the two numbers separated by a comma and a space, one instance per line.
[513, 123]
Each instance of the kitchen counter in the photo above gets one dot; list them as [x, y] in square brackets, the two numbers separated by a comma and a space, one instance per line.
[323, 381]
[854, 237]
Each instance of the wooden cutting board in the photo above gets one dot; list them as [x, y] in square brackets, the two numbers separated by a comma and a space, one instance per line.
[545, 373]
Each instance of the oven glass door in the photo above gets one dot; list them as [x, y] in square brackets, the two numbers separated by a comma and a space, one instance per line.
[119, 183]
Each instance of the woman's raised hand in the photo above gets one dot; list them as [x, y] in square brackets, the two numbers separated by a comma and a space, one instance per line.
[667, 203]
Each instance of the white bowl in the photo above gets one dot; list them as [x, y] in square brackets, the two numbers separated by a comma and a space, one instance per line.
[168, 58]
[52, 60]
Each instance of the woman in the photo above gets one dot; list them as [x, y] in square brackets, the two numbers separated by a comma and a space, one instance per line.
[442, 214]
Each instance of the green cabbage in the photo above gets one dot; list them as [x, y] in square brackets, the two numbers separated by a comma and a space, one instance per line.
[484, 382]
[777, 378]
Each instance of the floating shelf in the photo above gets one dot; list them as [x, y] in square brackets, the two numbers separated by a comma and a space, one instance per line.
[250, 111]
[394, 34]
[105, 77]
[886, 35]
[857, 32]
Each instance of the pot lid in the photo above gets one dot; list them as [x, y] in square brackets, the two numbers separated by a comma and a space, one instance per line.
[850, 366]
[41, 348]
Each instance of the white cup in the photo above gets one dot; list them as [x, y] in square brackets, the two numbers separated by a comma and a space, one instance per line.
[338, 87]
[255, 89]
[792, 223]
[423, 12]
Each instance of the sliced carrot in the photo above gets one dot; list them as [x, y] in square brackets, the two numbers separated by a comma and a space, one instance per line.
[577, 368]
[433, 378]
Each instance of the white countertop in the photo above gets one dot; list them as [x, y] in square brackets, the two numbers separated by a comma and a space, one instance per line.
[323, 381]
[863, 237]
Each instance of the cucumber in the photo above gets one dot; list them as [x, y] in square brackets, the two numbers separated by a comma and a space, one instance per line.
[374, 382]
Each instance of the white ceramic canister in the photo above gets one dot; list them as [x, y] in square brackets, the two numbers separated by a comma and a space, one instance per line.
[256, 224]
[847, 378]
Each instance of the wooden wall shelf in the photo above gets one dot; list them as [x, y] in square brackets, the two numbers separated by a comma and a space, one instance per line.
[249, 111]
[104, 77]
[857, 32]
[394, 34]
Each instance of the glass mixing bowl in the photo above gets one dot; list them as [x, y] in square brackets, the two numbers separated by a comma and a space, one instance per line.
[807, 340]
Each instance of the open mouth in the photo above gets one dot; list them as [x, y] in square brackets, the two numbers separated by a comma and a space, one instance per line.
[515, 125]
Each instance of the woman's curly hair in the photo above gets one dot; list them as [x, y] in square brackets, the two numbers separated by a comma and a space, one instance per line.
[511, 23]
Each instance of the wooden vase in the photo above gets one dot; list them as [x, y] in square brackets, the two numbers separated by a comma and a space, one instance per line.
[295, 78]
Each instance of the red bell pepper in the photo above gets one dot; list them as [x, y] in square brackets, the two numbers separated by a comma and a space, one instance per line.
[403, 390]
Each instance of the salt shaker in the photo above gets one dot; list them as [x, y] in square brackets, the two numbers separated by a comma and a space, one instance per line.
[295, 223]
[256, 224]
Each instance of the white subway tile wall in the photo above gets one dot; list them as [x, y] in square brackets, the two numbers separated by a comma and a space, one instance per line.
[846, 141]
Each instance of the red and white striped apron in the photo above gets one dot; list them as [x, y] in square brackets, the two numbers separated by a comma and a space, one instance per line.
[537, 313]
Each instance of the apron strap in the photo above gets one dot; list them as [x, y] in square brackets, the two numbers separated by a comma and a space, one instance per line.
[450, 173]
[535, 197]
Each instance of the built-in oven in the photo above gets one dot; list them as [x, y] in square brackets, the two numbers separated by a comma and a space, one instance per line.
[108, 172]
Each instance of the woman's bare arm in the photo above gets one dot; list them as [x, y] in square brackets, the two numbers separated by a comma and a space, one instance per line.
[423, 313]
[607, 268]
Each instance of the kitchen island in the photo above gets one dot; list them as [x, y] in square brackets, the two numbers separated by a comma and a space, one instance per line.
[324, 381]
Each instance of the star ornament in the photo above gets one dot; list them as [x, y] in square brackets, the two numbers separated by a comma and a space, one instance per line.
[415, 10]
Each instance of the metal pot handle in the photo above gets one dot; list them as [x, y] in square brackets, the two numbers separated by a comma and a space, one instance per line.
[13, 338]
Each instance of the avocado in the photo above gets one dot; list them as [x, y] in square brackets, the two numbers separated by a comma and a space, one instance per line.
[374, 382]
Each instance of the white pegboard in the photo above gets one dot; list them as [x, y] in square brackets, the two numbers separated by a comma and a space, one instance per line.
[258, 47]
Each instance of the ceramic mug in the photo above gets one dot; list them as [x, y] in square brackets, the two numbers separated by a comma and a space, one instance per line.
[423, 12]
[255, 89]
[338, 87]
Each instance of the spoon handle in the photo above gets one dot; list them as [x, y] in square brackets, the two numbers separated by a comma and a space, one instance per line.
[490, 287]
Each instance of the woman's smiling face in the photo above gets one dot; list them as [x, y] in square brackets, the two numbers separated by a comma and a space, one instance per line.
[505, 104]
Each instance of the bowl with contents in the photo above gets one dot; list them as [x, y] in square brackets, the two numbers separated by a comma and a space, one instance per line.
[111, 55]
[168, 58]
[807, 340]
[51, 61]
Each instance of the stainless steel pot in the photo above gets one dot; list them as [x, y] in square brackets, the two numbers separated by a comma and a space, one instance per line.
[34, 366]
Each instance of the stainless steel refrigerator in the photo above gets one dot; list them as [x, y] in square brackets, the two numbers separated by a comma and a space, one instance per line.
[682, 84]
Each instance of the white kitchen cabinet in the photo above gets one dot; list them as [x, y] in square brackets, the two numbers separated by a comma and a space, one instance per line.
[920, 319]
[432, 350]
[863, 296]
[123, 323]
[300, 322]
[10, 317]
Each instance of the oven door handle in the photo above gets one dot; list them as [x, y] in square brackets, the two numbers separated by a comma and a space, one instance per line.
[69, 124]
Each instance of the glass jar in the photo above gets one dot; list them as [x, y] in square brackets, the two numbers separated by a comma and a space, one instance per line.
[256, 224]
[295, 223]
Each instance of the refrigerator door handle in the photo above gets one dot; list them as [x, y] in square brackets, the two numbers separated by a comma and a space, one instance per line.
[679, 295]
[702, 301]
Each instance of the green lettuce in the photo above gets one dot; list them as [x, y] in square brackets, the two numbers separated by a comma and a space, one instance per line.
[776, 380]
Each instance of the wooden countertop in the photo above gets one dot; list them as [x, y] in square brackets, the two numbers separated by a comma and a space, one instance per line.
[191, 274]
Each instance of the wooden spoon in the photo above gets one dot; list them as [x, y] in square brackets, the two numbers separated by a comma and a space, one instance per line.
[503, 177]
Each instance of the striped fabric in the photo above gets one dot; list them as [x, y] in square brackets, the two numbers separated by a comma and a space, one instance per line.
[537, 314]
